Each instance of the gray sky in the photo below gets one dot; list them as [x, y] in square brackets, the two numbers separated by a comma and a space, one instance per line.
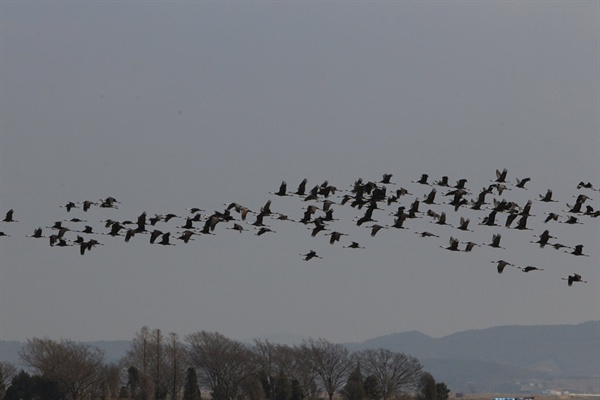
[172, 105]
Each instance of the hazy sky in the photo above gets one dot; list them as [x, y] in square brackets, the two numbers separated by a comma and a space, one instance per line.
[171, 105]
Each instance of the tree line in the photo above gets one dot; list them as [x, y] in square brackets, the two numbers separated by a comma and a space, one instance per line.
[210, 365]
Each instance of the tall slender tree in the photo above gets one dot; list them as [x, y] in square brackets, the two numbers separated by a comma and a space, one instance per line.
[177, 363]
[139, 357]
[355, 386]
[191, 391]
[371, 386]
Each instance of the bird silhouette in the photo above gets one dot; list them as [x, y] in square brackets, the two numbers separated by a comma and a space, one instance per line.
[399, 222]
[186, 236]
[522, 223]
[264, 230]
[109, 202]
[490, 220]
[36, 233]
[423, 179]
[376, 228]
[544, 237]
[310, 255]
[501, 264]
[547, 197]
[426, 234]
[430, 198]
[521, 182]
[460, 184]
[574, 278]
[354, 245]
[155, 234]
[266, 209]
[453, 245]
[577, 251]
[313, 194]
[501, 176]
[367, 217]
[469, 246]
[129, 234]
[442, 182]
[319, 226]
[164, 240]
[237, 227]
[9, 216]
[559, 246]
[464, 224]
[496, 241]
[571, 220]
[87, 204]
[70, 205]
[586, 185]
[189, 224]
[386, 179]
[87, 246]
[551, 217]
[282, 190]
[441, 220]
[529, 268]
[301, 187]
[335, 236]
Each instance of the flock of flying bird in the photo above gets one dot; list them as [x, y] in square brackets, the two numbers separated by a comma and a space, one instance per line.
[370, 200]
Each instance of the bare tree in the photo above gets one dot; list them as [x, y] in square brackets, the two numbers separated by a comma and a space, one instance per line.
[7, 373]
[301, 370]
[177, 364]
[265, 357]
[111, 382]
[275, 359]
[395, 372]
[138, 361]
[158, 364]
[222, 364]
[331, 362]
[76, 367]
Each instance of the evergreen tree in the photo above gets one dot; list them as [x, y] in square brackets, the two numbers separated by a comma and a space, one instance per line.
[2, 385]
[191, 391]
[26, 387]
[372, 388]
[355, 387]
[297, 393]
[133, 381]
[219, 392]
[265, 382]
[282, 389]
[442, 391]
[426, 388]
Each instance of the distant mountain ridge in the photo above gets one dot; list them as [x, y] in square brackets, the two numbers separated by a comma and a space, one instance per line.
[501, 359]
[574, 349]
